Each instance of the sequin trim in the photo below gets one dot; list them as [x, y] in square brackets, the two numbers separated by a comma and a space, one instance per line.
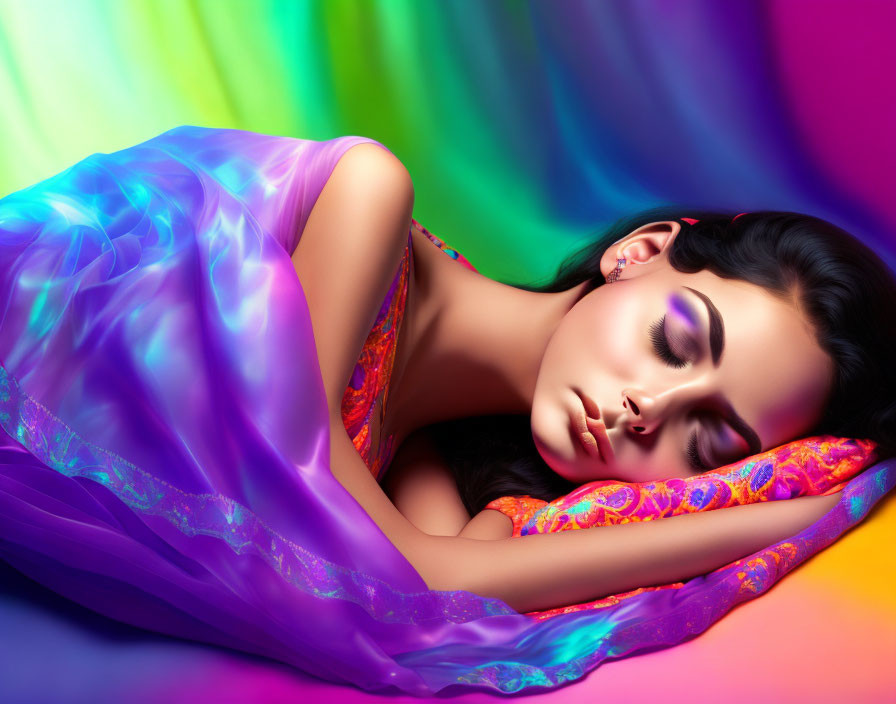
[55, 444]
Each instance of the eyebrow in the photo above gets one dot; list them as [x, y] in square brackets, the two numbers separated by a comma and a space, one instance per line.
[716, 327]
[717, 346]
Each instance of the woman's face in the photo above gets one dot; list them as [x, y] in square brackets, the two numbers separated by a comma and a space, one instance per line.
[670, 358]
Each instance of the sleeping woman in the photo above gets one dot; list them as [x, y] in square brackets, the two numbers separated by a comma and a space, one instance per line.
[677, 343]
[247, 399]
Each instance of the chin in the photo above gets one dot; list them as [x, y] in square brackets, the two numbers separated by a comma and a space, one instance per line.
[549, 459]
[566, 458]
[562, 472]
[559, 466]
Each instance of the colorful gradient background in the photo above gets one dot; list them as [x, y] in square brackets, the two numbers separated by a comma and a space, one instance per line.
[527, 126]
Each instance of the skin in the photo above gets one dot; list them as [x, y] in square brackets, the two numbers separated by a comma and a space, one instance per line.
[458, 356]
[771, 372]
[528, 352]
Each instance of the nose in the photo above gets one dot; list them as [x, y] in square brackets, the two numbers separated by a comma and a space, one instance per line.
[641, 408]
[646, 412]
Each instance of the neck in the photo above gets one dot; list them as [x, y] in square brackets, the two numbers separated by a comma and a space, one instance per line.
[468, 345]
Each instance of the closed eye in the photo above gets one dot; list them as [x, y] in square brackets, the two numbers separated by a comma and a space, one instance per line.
[661, 344]
[694, 459]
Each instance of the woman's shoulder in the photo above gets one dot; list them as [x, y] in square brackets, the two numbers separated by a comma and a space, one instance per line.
[346, 258]
[422, 487]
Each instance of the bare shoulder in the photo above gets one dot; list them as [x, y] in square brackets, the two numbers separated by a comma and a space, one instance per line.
[488, 524]
[348, 254]
[369, 160]
[422, 487]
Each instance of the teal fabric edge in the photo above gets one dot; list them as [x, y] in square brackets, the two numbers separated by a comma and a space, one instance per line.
[60, 448]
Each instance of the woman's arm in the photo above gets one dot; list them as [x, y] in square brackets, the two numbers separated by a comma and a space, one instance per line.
[422, 486]
[537, 572]
[544, 571]
[348, 253]
[345, 259]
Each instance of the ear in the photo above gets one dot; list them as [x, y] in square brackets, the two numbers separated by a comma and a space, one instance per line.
[643, 249]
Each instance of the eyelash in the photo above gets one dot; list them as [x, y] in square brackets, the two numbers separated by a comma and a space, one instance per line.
[694, 456]
[661, 345]
[664, 352]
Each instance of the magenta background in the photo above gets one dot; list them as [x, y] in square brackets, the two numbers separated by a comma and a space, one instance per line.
[822, 635]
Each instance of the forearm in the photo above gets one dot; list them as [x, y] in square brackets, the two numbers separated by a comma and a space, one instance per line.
[355, 477]
[544, 571]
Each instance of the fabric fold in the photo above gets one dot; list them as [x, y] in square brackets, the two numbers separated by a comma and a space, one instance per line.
[164, 459]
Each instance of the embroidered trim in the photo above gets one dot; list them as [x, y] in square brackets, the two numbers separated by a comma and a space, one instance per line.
[55, 444]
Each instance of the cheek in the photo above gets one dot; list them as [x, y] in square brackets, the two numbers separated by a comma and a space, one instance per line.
[551, 404]
[618, 347]
[551, 431]
[601, 346]
[543, 432]
[594, 334]
[624, 331]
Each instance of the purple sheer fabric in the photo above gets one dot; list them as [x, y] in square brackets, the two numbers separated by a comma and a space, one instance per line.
[157, 347]
[165, 454]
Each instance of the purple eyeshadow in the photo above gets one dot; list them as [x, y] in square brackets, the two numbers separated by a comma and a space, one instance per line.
[679, 307]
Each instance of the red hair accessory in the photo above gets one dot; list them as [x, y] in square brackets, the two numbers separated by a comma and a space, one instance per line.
[692, 221]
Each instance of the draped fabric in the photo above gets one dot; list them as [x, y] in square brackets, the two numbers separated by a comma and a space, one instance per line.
[165, 454]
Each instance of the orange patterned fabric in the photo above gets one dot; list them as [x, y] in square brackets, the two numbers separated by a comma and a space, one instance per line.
[804, 467]
[810, 466]
[370, 379]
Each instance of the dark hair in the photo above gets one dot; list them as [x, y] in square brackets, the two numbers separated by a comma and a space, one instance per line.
[846, 291]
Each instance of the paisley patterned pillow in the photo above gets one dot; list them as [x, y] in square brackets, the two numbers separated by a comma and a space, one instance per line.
[810, 466]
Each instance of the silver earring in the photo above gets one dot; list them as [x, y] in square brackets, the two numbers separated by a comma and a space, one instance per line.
[613, 275]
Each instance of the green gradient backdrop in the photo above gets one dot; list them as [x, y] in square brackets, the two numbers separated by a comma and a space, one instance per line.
[100, 75]
[526, 124]
[523, 124]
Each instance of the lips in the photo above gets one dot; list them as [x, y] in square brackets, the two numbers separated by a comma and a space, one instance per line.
[590, 430]
[599, 431]
[586, 438]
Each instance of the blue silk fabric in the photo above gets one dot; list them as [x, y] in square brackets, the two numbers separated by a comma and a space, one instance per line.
[165, 459]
